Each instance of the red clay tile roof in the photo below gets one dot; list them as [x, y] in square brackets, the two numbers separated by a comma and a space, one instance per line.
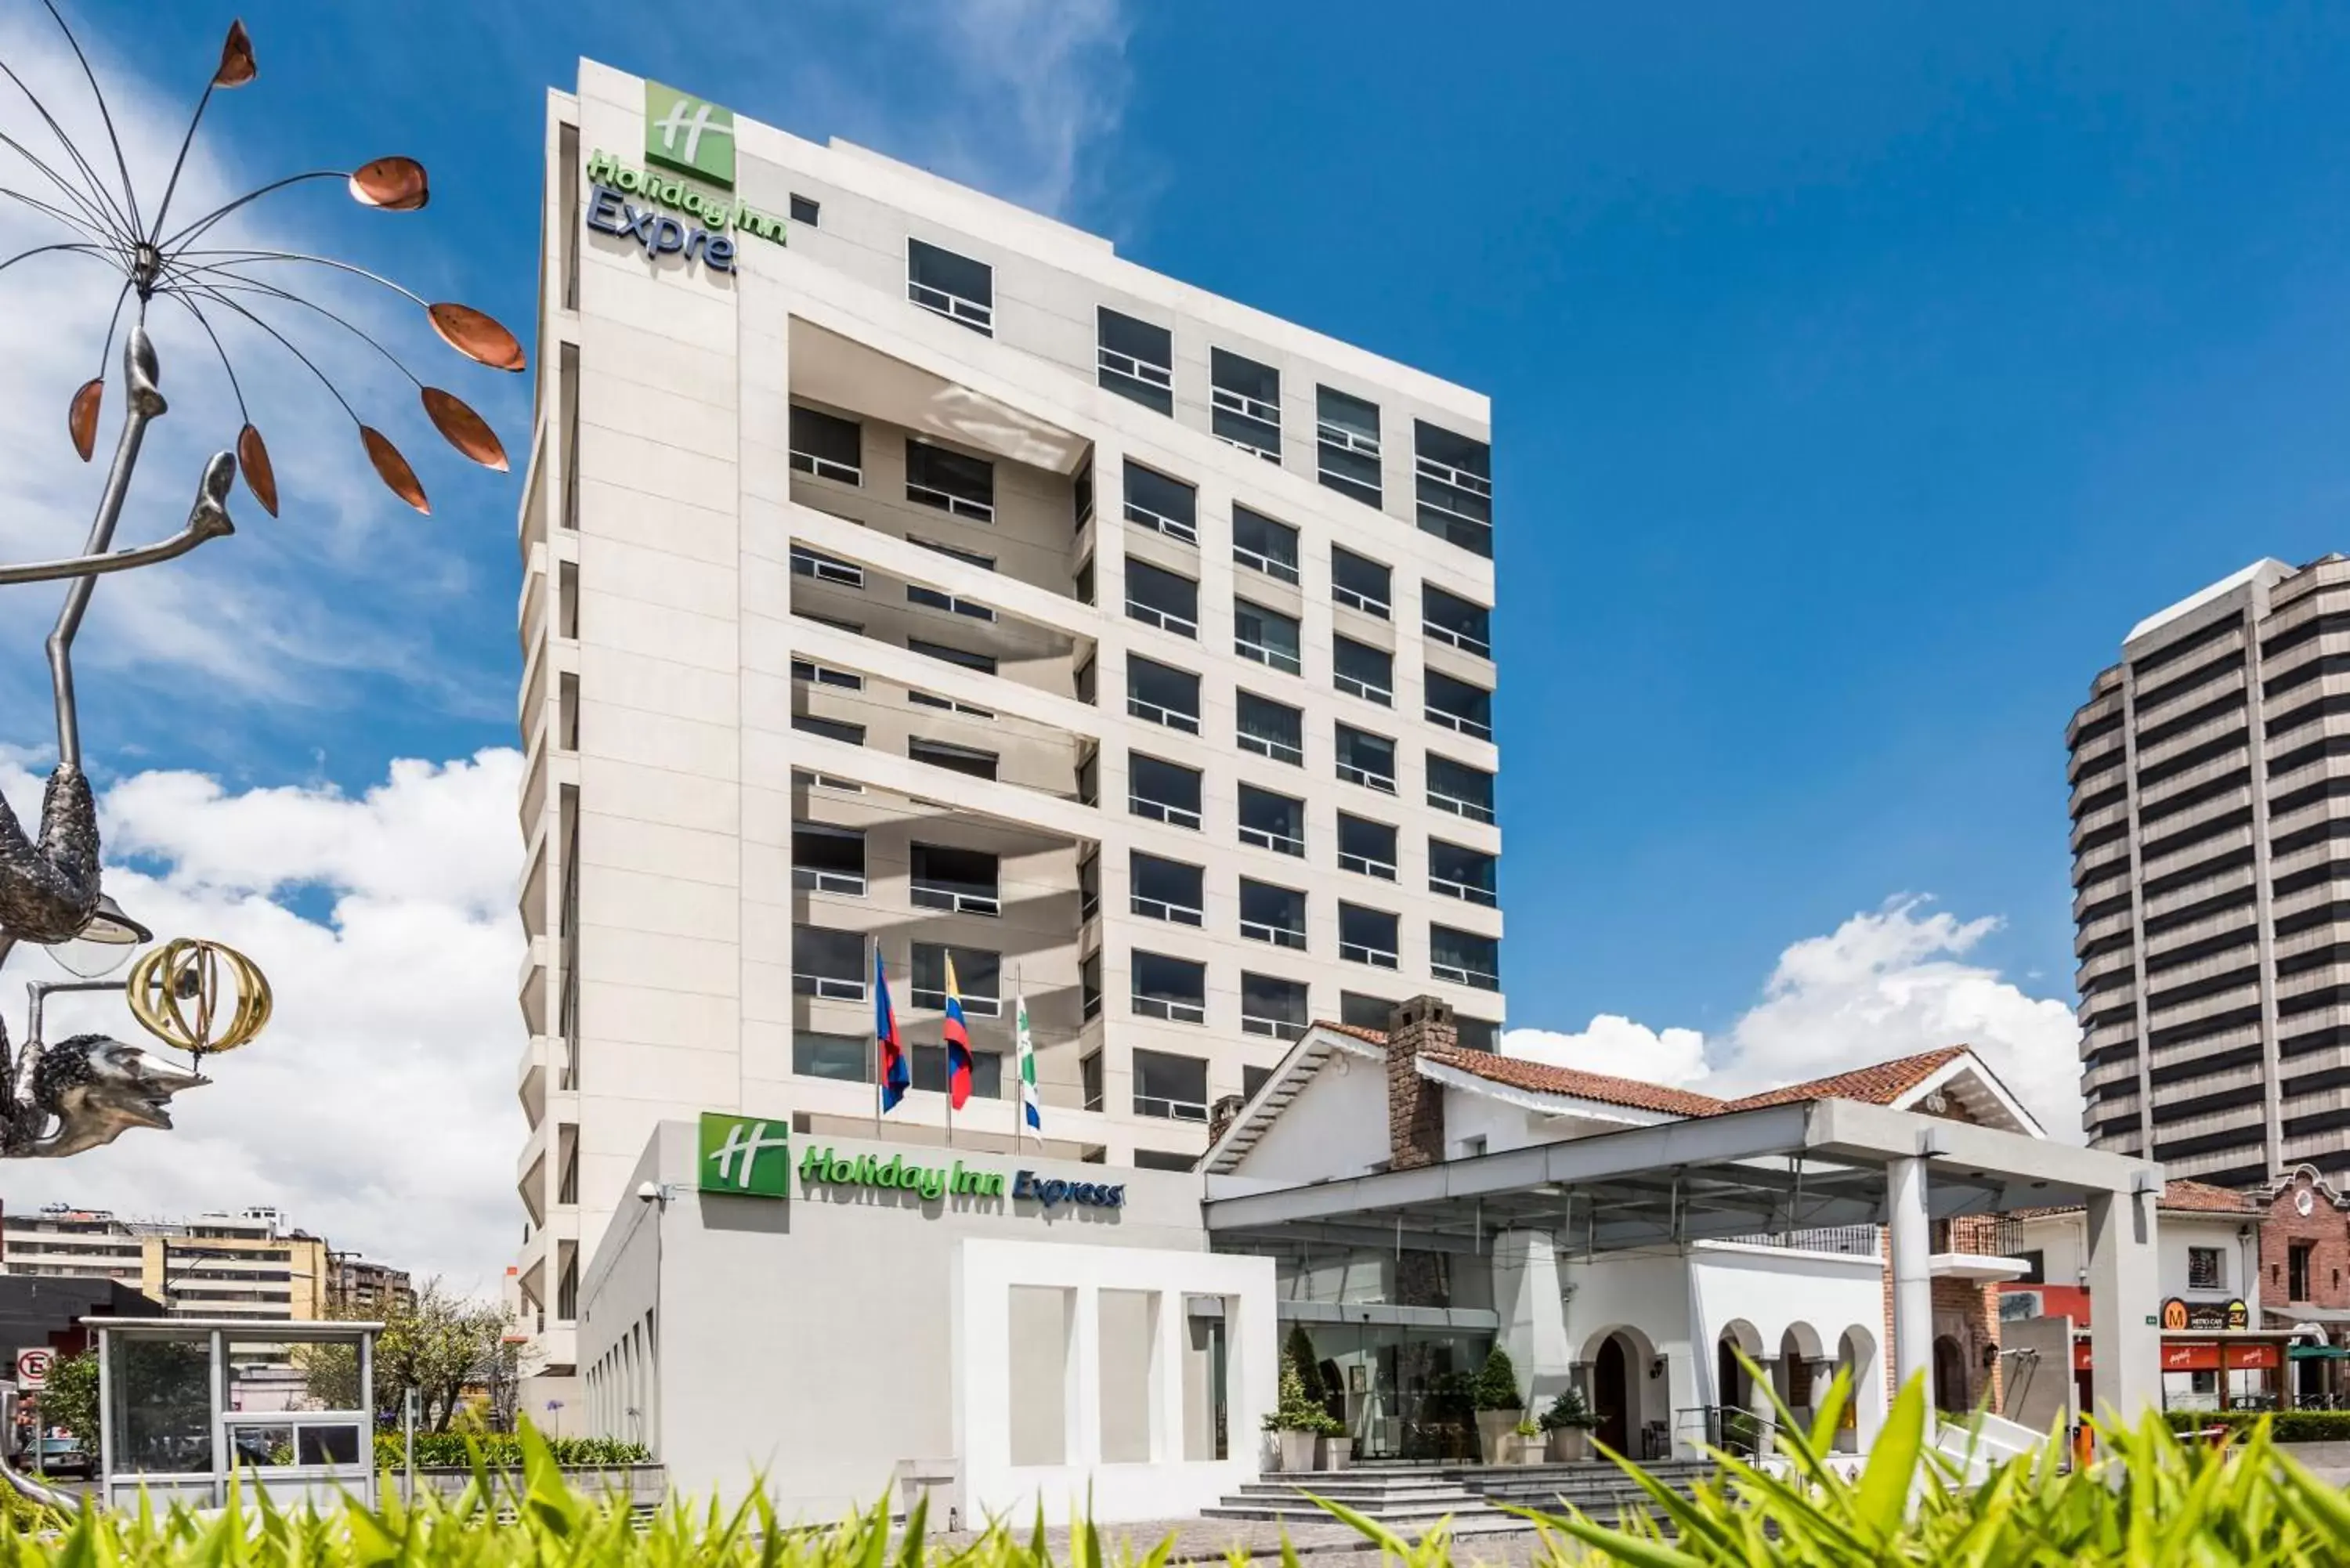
[1880, 1083]
[2202, 1195]
[1545, 1079]
[1376, 1036]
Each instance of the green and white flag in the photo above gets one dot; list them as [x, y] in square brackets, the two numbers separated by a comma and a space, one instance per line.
[1032, 1109]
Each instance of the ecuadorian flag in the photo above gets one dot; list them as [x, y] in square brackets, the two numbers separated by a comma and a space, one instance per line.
[958, 1038]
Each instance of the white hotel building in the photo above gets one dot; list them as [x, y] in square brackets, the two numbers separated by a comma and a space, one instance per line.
[934, 577]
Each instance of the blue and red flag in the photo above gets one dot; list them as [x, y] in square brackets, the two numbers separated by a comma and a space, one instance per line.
[958, 1038]
[897, 1076]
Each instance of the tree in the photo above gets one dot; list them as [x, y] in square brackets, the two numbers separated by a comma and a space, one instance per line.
[441, 1346]
[1497, 1383]
[71, 1398]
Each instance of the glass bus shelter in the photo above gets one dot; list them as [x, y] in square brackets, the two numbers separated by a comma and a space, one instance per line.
[186, 1404]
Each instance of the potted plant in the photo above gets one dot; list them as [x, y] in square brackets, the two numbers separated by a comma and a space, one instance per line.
[1337, 1449]
[1530, 1447]
[1496, 1395]
[1569, 1421]
[1296, 1422]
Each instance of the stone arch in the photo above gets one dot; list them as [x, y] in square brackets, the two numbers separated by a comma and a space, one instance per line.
[1951, 1383]
[1797, 1379]
[1733, 1385]
[1624, 1393]
[1857, 1356]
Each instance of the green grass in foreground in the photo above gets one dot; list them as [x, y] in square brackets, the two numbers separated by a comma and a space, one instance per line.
[2155, 1502]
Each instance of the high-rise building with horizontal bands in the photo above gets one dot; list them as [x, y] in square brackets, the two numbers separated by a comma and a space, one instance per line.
[2210, 775]
[902, 567]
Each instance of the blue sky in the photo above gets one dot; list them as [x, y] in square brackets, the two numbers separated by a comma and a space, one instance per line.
[1861, 373]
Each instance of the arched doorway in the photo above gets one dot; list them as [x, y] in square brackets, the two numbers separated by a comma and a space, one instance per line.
[1949, 1376]
[1611, 1396]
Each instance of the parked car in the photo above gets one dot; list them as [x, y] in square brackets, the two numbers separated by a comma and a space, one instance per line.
[66, 1456]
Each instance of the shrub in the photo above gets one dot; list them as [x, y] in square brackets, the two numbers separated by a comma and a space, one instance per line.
[502, 1450]
[1295, 1411]
[1496, 1387]
[2285, 1426]
[1570, 1410]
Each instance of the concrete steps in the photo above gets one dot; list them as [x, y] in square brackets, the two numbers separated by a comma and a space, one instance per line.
[1599, 1490]
[1408, 1500]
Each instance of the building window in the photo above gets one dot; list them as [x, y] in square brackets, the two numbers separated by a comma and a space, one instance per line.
[1170, 988]
[1455, 479]
[1161, 694]
[2297, 1261]
[1457, 705]
[1162, 598]
[1367, 847]
[1135, 360]
[806, 211]
[1478, 1035]
[1458, 873]
[983, 663]
[1090, 1071]
[1460, 789]
[1166, 890]
[1346, 445]
[1252, 1079]
[1170, 1087]
[830, 728]
[1358, 669]
[827, 446]
[827, 859]
[929, 1064]
[1366, 759]
[1084, 681]
[843, 1058]
[1273, 1008]
[1164, 791]
[1089, 779]
[968, 760]
[1081, 493]
[1369, 936]
[829, 963]
[1089, 1001]
[1271, 914]
[933, 599]
[1360, 583]
[953, 481]
[1089, 886]
[823, 569]
[1264, 545]
[1466, 625]
[1271, 729]
[1164, 505]
[1266, 636]
[2205, 1269]
[925, 700]
[2035, 1267]
[816, 674]
[1465, 957]
[957, 287]
[1358, 1012]
[1271, 821]
[1245, 403]
[960, 881]
[978, 978]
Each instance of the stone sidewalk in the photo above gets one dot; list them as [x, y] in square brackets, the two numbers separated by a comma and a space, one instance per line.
[1220, 1540]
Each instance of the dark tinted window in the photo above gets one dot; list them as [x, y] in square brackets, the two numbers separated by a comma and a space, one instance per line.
[1360, 583]
[827, 445]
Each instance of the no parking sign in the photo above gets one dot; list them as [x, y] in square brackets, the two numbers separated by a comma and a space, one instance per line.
[33, 1369]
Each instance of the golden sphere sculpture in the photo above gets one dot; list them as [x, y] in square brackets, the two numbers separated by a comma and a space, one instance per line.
[176, 991]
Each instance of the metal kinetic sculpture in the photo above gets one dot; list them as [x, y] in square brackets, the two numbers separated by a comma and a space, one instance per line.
[199, 997]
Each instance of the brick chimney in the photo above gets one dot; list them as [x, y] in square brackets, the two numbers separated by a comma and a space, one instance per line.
[1221, 1116]
[1415, 1105]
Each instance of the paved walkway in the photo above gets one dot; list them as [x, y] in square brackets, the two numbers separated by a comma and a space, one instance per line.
[1217, 1540]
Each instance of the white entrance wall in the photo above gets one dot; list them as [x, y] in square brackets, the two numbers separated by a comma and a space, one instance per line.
[1164, 1485]
[1647, 1298]
[1780, 1290]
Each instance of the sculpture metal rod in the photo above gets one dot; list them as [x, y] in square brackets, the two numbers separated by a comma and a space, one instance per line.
[36, 991]
[217, 213]
[105, 118]
[146, 403]
[198, 529]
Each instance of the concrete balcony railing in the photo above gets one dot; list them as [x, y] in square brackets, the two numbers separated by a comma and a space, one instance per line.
[2090, 971]
[2106, 817]
[2194, 855]
[2172, 747]
[2229, 880]
[2161, 829]
[2150, 800]
[2161, 944]
[2164, 1014]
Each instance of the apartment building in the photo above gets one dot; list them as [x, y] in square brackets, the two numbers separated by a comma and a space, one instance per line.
[905, 570]
[356, 1288]
[247, 1264]
[2210, 777]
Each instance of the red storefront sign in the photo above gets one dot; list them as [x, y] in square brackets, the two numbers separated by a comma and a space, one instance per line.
[2208, 1357]
[2242, 1358]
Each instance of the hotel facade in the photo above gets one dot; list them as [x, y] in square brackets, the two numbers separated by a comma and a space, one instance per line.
[904, 570]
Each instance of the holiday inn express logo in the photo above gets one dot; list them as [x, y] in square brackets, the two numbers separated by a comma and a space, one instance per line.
[689, 134]
[744, 1155]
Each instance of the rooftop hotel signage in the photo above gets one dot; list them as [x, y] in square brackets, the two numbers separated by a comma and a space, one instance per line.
[750, 1157]
[687, 135]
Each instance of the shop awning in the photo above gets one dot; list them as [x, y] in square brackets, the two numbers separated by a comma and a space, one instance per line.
[2318, 1353]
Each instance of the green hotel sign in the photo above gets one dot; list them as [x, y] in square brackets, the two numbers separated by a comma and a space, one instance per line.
[821, 1165]
[718, 214]
[744, 1155]
[691, 135]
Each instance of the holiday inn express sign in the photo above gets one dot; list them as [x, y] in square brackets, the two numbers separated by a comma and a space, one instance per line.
[692, 138]
[750, 1157]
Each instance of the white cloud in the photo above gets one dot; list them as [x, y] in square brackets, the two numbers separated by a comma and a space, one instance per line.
[1888, 982]
[1614, 1043]
[377, 1108]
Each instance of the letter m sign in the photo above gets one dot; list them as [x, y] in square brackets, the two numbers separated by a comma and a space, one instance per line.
[689, 134]
[744, 1155]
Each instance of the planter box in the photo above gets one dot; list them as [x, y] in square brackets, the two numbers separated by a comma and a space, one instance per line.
[1297, 1451]
[1336, 1453]
[1570, 1445]
[1497, 1434]
[645, 1486]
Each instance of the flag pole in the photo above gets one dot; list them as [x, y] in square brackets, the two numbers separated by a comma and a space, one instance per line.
[873, 953]
[1019, 1066]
